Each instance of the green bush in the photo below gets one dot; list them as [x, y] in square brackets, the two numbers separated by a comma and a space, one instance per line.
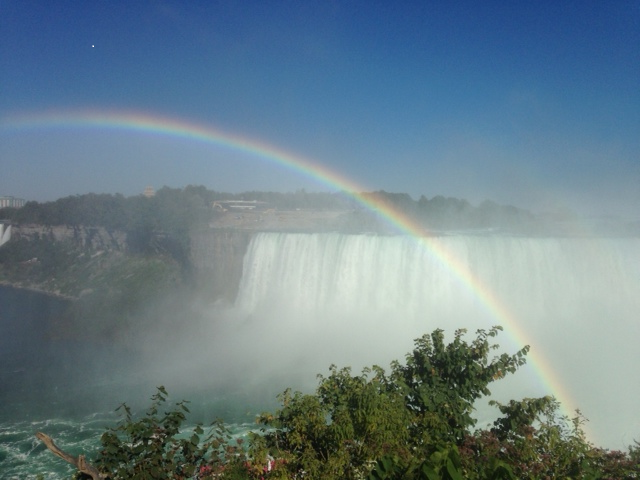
[412, 423]
[153, 447]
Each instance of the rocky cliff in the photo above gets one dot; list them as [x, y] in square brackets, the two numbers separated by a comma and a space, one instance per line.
[94, 238]
[216, 257]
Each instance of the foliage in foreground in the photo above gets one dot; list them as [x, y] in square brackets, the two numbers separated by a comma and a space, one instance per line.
[411, 423]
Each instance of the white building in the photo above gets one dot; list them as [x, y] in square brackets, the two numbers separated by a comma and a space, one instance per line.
[12, 202]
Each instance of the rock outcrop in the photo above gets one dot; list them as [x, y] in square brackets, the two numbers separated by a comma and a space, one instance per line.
[216, 257]
[94, 238]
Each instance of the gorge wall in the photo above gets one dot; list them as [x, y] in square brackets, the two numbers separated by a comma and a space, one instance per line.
[216, 259]
[95, 238]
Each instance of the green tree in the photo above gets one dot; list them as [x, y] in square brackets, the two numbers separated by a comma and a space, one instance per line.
[343, 428]
[412, 419]
[153, 447]
[411, 424]
[441, 382]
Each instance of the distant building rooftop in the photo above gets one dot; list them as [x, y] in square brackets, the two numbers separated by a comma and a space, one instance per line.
[225, 205]
[12, 202]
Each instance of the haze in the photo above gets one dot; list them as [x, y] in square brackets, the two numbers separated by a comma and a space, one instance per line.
[531, 104]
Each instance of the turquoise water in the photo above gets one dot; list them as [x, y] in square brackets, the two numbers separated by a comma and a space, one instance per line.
[70, 390]
[23, 456]
[31, 398]
[50, 386]
[36, 391]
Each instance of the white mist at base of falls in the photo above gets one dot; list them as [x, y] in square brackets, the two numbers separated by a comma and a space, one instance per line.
[308, 300]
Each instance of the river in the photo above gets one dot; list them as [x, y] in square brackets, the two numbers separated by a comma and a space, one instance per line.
[56, 386]
[70, 389]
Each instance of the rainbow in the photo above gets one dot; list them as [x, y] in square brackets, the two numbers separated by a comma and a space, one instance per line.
[170, 127]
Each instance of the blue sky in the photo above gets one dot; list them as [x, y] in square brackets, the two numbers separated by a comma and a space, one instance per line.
[535, 104]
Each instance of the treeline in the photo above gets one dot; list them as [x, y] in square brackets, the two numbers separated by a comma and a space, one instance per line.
[169, 208]
[175, 211]
[443, 213]
[153, 224]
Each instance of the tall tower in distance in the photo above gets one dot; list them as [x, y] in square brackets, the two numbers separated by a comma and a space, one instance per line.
[149, 192]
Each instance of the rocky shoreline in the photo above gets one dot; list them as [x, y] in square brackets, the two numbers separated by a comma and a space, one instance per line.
[37, 289]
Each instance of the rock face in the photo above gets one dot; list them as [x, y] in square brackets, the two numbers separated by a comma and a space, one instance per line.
[95, 238]
[217, 257]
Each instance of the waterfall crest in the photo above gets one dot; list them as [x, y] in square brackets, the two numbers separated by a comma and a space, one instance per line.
[535, 278]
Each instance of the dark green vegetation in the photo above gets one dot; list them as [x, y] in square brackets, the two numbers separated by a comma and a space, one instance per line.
[411, 423]
[173, 212]
[110, 287]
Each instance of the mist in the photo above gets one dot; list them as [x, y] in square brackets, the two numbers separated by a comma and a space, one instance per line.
[306, 301]
[534, 107]
[301, 302]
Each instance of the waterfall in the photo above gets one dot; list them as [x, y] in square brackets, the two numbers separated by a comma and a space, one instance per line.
[5, 233]
[362, 299]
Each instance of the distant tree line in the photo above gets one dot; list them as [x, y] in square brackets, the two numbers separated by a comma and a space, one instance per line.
[442, 213]
[174, 211]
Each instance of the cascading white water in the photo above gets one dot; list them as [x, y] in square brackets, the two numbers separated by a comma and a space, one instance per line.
[315, 299]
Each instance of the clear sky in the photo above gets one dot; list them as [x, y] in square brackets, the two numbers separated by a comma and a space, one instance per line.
[532, 103]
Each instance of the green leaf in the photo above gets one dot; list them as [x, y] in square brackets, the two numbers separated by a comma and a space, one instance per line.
[453, 472]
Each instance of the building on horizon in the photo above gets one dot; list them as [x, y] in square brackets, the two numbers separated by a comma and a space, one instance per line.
[11, 202]
[149, 192]
[225, 205]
